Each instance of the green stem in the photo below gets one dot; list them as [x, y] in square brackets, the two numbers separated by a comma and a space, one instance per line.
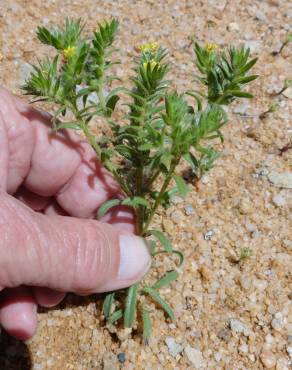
[172, 167]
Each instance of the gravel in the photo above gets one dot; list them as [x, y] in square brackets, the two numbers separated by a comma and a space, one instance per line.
[239, 192]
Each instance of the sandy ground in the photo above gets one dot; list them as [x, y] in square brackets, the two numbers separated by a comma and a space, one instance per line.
[230, 315]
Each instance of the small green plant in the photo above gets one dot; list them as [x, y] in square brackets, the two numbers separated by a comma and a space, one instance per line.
[272, 109]
[286, 85]
[287, 41]
[161, 129]
[245, 253]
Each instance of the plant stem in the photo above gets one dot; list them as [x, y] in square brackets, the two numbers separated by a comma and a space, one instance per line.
[172, 167]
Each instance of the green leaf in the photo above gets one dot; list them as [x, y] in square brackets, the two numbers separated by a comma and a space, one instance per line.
[108, 304]
[160, 301]
[241, 94]
[117, 315]
[163, 239]
[181, 185]
[147, 327]
[152, 246]
[135, 201]
[107, 206]
[166, 279]
[111, 103]
[67, 125]
[131, 303]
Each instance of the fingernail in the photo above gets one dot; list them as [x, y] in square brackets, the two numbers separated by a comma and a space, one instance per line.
[135, 259]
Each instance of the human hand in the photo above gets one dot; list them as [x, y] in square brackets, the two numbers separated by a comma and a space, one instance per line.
[44, 179]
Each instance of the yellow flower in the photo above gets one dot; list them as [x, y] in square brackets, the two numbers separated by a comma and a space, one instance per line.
[150, 47]
[69, 52]
[152, 63]
[211, 47]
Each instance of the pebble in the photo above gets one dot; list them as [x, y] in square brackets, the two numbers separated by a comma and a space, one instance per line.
[224, 334]
[174, 348]
[233, 27]
[288, 93]
[208, 235]
[289, 351]
[279, 200]
[25, 70]
[121, 357]
[268, 359]
[176, 216]
[189, 210]
[278, 321]
[281, 180]
[282, 364]
[195, 356]
[243, 348]
[241, 109]
[110, 362]
[239, 327]
[254, 46]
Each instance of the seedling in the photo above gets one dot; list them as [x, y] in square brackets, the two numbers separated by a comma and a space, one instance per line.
[287, 40]
[286, 85]
[245, 253]
[272, 109]
[161, 129]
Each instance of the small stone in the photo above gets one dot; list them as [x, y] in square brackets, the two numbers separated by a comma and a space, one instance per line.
[238, 327]
[278, 321]
[25, 70]
[260, 16]
[282, 364]
[243, 348]
[174, 348]
[269, 339]
[224, 334]
[121, 357]
[281, 180]
[288, 93]
[189, 210]
[241, 109]
[176, 199]
[176, 216]
[233, 27]
[195, 356]
[208, 235]
[245, 206]
[289, 351]
[268, 359]
[204, 179]
[279, 200]
[289, 338]
[254, 46]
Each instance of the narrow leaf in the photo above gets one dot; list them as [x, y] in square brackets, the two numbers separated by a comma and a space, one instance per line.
[136, 201]
[130, 310]
[107, 206]
[67, 125]
[160, 301]
[107, 305]
[147, 327]
[166, 279]
[241, 94]
[117, 315]
[162, 238]
[181, 185]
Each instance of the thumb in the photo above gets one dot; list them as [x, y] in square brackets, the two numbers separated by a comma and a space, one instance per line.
[66, 253]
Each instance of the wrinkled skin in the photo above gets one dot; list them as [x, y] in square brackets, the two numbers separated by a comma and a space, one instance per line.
[51, 186]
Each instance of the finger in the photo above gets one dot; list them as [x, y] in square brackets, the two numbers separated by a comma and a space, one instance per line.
[21, 138]
[54, 209]
[46, 161]
[3, 155]
[59, 163]
[18, 312]
[121, 217]
[89, 187]
[32, 200]
[47, 297]
[65, 253]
